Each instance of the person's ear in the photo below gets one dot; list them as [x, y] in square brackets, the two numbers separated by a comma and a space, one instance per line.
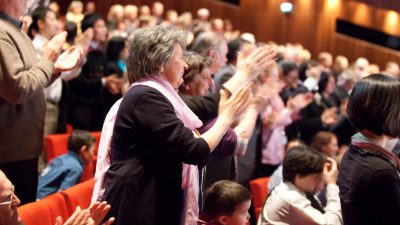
[211, 53]
[83, 149]
[223, 219]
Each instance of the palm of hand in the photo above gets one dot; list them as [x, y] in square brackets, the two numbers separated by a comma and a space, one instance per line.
[68, 60]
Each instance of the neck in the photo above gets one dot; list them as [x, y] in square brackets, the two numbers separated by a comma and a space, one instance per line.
[378, 139]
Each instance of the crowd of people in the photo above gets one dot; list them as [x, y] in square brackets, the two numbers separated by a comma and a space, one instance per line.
[190, 111]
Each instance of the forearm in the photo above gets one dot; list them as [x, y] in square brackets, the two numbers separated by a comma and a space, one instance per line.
[18, 86]
[214, 135]
[237, 81]
[247, 123]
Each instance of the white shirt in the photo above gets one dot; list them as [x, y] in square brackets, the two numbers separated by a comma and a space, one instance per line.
[54, 91]
[288, 205]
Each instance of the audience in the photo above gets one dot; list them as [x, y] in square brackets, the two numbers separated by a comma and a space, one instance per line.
[295, 98]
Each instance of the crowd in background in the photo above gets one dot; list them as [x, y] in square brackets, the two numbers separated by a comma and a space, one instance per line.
[300, 97]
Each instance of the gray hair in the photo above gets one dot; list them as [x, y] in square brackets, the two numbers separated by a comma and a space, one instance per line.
[206, 41]
[149, 49]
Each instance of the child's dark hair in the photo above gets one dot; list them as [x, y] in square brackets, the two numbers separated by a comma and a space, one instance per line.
[303, 161]
[80, 138]
[223, 197]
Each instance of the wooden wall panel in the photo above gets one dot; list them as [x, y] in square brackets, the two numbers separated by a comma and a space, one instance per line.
[312, 23]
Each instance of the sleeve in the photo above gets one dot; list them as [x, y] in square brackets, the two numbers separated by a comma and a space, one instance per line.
[18, 84]
[205, 107]
[306, 214]
[72, 177]
[158, 118]
[387, 186]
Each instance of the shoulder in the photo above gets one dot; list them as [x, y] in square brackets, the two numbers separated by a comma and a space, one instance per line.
[143, 93]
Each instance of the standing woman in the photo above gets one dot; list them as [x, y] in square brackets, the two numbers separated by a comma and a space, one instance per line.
[153, 135]
[369, 179]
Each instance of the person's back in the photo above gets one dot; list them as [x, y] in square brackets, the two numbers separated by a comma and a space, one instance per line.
[369, 189]
[65, 171]
[61, 173]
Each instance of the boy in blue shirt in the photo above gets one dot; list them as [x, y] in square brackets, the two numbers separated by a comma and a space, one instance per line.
[65, 171]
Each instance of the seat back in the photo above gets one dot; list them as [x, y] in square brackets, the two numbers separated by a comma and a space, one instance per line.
[97, 135]
[35, 213]
[44, 211]
[259, 192]
[55, 145]
[79, 195]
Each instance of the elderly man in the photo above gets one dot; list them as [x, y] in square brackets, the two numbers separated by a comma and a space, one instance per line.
[22, 100]
[9, 214]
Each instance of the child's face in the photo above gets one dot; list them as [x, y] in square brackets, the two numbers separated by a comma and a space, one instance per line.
[241, 215]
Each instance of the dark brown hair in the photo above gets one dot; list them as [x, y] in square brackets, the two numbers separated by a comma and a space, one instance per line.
[303, 161]
[223, 197]
[374, 105]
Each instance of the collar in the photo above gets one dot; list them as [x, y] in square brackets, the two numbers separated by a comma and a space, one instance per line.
[11, 20]
[73, 154]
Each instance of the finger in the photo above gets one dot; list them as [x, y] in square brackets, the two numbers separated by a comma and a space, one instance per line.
[59, 220]
[94, 207]
[83, 217]
[109, 221]
[72, 218]
[224, 95]
[97, 212]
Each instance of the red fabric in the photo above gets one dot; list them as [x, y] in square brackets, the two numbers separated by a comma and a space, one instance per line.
[259, 192]
[55, 145]
[79, 195]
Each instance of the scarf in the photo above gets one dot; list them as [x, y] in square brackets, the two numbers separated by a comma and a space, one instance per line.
[190, 174]
[363, 142]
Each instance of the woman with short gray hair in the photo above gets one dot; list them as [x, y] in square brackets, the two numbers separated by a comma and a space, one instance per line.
[154, 131]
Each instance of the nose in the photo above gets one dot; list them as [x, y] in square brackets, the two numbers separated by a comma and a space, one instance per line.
[15, 200]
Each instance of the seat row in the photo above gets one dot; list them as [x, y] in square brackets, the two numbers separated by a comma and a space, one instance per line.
[64, 203]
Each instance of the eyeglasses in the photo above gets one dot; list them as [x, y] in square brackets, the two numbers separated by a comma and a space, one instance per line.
[12, 198]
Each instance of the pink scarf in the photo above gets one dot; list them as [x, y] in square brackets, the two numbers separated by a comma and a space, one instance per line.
[190, 174]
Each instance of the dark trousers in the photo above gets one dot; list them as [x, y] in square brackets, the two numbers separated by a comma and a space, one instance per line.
[24, 176]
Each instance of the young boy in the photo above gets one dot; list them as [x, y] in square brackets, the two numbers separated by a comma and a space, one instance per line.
[65, 171]
[292, 201]
[226, 203]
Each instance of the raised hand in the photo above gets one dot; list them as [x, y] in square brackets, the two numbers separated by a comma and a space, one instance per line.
[300, 101]
[233, 106]
[83, 41]
[262, 96]
[53, 47]
[329, 116]
[256, 63]
[330, 171]
[68, 60]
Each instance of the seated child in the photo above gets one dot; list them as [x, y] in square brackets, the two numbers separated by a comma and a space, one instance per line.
[65, 171]
[227, 203]
[293, 201]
